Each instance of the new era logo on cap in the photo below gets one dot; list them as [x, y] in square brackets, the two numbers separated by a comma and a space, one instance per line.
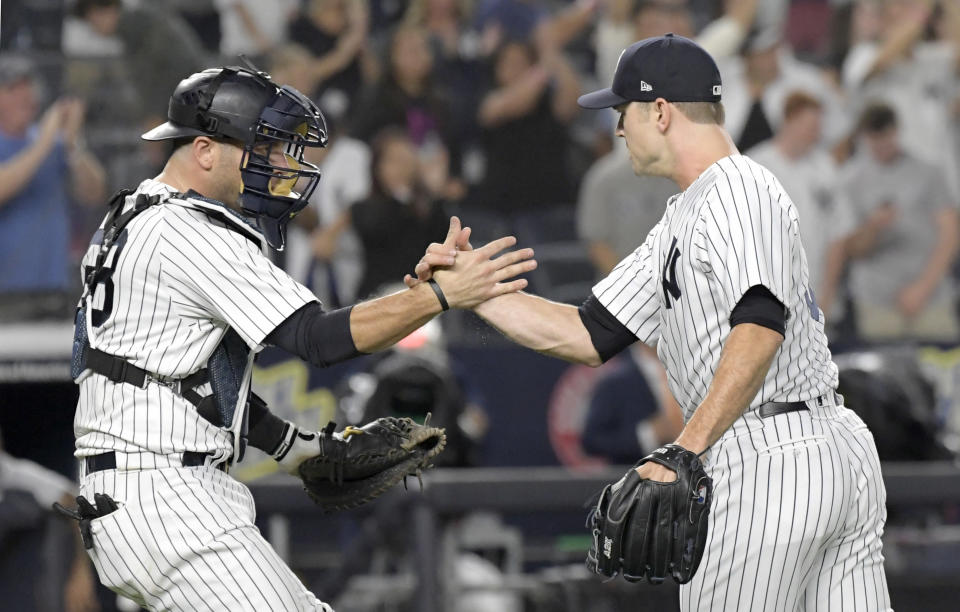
[644, 86]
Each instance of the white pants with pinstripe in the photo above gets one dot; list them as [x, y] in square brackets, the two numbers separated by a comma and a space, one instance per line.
[797, 517]
[184, 539]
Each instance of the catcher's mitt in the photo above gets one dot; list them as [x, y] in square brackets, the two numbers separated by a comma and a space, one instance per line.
[358, 464]
[643, 528]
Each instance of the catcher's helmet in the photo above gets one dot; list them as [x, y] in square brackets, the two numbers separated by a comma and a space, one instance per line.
[246, 106]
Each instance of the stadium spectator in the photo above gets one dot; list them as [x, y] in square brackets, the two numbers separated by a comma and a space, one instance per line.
[757, 82]
[617, 207]
[457, 52]
[253, 27]
[335, 33]
[88, 31]
[894, 61]
[44, 165]
[811, 179]
[615, 31]
[446, 23]
[523, 120]
[294, 64]
[905, 238]
[158, 48]
[203, 17]
[345, 167]
[632, 411]
[404, 207]
[27, 492]
[409, 97]
[505, 20]
[721, 37]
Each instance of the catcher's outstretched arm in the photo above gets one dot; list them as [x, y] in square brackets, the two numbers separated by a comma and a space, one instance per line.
[381, 323]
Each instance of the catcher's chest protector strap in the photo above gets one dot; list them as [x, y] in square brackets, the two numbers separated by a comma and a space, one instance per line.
[111, 234]
[225, 368]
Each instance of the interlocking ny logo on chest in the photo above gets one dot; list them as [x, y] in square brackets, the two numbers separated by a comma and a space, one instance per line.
[670, 286]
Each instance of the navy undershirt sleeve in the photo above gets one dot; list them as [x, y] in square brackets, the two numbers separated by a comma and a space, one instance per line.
[321, 338]
[759, 306]
[609, 336]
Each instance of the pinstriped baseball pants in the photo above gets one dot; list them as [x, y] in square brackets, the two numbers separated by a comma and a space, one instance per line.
[797, 518]
[184, 539]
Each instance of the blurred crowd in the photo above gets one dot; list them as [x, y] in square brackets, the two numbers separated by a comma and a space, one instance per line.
[469, 106]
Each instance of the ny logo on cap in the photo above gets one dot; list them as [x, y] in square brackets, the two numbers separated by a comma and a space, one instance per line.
[644, 86]
[716, 90]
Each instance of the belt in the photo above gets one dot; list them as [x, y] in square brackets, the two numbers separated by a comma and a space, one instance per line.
[774, 408]
[108, 461]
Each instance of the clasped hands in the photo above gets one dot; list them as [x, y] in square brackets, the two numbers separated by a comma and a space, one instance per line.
[469, 276]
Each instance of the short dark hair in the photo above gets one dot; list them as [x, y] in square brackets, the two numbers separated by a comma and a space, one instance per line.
[183, 141]
[877, 117]
[709, 113]
[703, 112]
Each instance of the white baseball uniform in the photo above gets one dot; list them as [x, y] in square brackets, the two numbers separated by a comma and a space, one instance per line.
[183, 538]
[799, 503]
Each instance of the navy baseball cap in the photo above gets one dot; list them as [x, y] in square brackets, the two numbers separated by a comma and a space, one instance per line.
[670, 67]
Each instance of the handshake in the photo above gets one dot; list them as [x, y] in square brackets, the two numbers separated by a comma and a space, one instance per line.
[464, 277]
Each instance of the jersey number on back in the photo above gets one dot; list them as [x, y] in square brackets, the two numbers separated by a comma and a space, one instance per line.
[103, 284]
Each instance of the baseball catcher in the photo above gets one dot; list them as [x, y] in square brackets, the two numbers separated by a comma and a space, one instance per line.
[648, 529]
[356, 465]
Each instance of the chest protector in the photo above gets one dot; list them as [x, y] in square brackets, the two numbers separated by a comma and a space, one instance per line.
[226, 369]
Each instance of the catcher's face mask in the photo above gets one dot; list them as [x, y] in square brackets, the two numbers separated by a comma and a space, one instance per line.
[290, 123]
[244, 105]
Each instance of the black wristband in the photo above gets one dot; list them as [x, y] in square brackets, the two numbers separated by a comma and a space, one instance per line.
[439, 292]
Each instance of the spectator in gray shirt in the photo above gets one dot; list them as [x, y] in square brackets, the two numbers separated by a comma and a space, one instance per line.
[616, 209]
[905, 240]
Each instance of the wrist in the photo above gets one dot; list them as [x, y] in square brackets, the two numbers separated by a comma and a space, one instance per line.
[427, 297]
[487, 307]
[438, 292]
[693, 443]
[295, 447]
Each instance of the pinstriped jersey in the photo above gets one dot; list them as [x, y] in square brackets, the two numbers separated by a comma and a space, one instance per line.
[181, 274]
[733, 228]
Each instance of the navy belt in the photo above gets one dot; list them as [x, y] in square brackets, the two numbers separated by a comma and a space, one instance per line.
[108, 461]
[774, 408]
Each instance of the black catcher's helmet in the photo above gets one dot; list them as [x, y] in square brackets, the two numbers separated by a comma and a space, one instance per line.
[246, 106]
